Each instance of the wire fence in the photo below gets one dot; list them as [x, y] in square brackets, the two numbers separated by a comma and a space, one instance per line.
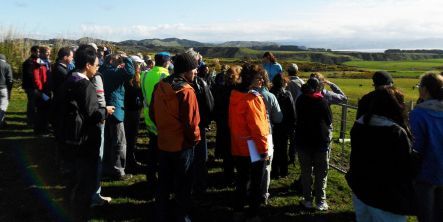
[344, 116]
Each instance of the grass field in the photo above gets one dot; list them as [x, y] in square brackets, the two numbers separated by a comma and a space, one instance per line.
[400, 68]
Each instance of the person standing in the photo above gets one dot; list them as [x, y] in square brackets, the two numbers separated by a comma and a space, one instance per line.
[282, 131]
[148, 81]
[314, 118]
[175, 112]
[382, 191]
[5, 87]
[28, 67]
[271, 65]
[294, 87]
[133, 106]
[43, 86]
[80, 114]
[60, 70]
[249, 132]
[380, 79]
[426, 122]
[228, 81]
[275, 115]
[117, 70]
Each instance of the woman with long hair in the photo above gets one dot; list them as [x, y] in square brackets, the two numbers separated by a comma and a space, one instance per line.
[222, 92]
[133, 106]
[271, 65]
[426, 122]
[381, 169]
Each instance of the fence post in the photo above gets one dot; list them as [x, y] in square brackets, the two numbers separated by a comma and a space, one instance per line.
[344, 112]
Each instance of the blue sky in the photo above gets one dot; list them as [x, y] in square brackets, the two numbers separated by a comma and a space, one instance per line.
[224, 20]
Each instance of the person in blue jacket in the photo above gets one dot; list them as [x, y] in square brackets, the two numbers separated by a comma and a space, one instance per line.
[271, 65]
[116, 70]
[426, 122]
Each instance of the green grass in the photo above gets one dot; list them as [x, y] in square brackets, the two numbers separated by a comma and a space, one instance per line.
[356, 88]
[412, 68]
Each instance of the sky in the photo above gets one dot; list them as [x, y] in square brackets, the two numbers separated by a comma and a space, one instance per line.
[224, 20]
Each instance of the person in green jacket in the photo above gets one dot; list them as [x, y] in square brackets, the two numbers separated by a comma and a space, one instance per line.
[149, 80]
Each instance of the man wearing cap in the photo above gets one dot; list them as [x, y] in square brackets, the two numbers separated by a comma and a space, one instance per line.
[148, 80]
[174, 110]
[5, 86]
[381, 79]
[116, 70]
[294, 87]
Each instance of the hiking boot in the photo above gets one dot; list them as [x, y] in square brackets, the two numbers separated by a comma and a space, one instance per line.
[100, 201]
[307, 204]
[322, 206]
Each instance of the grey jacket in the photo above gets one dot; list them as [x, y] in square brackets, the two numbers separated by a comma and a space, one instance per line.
[335, 96]
[97, 82]
[5, 75]
[273, 110]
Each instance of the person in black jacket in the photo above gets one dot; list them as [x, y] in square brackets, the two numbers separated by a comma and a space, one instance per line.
[281, 131]
[60, 69]
[80, 115]
[133, 106]
[381, 80]
[381, 167]
[312, 140]
[205, 105]
[224, 84]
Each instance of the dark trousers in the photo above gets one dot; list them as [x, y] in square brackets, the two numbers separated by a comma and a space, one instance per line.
[84, 186]
[280, 161]
[430, 202]
[174, 176]
[41, 122]
[30, 106]
[223, 148]
[200, 169]
[152, 161]
[132, 124]
[248, 172]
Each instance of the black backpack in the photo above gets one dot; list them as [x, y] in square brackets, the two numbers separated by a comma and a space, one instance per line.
[71, 127]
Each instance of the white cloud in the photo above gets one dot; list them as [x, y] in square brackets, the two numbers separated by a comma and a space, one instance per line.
[339, 19]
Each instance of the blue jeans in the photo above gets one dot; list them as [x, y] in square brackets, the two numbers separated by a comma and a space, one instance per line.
[366, 213]
[96, 195]
[174, 175]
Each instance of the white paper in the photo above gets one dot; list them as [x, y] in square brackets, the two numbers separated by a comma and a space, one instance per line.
[270, 145]
[253, 153]
[45, 97]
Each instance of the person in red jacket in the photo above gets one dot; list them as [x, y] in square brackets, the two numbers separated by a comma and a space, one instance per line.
[249, 132]
[175, 112]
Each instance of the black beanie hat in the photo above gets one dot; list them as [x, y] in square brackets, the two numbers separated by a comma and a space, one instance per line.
[184, 63]
[382, 78]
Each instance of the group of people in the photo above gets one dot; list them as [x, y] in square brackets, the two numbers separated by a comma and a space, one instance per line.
[396, 166]
[94, 98]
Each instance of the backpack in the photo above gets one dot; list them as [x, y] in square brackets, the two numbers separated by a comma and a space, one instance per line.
[71, 127]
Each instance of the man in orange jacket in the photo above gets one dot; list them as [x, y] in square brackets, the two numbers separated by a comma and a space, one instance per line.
[174, 110]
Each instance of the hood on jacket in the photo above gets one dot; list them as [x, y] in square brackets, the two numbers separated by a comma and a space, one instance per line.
[237, 96]
[433, 106]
